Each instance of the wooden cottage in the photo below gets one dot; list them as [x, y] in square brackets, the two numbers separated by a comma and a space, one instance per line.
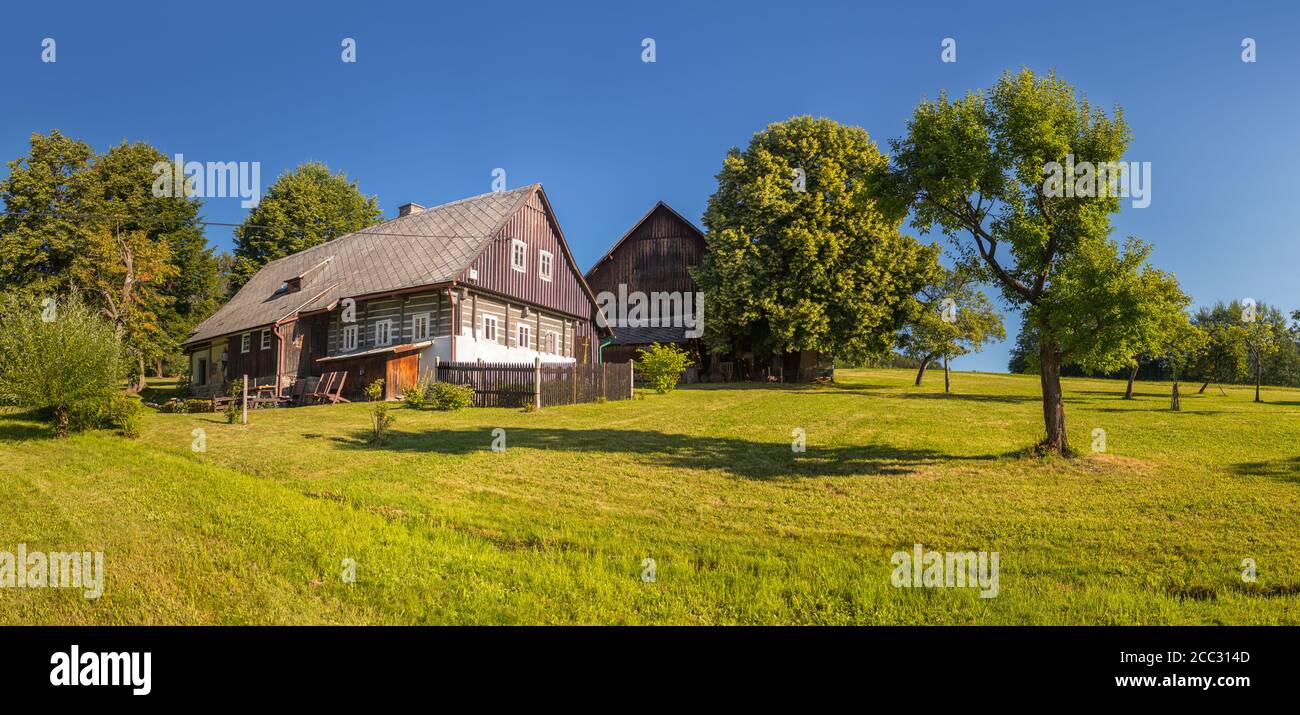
[486, 278]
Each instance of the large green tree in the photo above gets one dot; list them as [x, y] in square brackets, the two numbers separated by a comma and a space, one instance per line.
[87, 224]
[799, 255]
[303, 208]
[955, 319]
[46, 200]
[978, 168]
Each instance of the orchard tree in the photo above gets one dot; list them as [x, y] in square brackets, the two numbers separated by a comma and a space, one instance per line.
[955, 319]
[303, 208]
[1180, 346]
[1224, 358]
[981, 168]
[1160, 321]
[800, 257]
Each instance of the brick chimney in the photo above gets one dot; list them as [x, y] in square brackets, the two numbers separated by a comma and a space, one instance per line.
[408, 209]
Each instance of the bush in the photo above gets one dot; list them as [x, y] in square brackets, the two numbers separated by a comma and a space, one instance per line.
[197, 405]
[124, 415]
[380, 420]
[416, 396]
[68, 367]
[233, 408]
[448, 397]
[662, 365]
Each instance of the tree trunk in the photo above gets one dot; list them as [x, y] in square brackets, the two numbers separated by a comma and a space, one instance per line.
[140, 379]
[1053, 404]
[1175, 405]
[158, 368]
[1202, 390]
[925, 362]
[946, 379]
[61, 420]
[1132, 375]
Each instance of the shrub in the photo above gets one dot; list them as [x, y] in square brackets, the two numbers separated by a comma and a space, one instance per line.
[416, 396]
[662, 365]
[66, 362]
[124, 415]
[233, 408]
[380, 420]
[197, 405]
[450, 397]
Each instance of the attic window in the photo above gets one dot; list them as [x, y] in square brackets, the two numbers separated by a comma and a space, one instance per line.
[293, 285]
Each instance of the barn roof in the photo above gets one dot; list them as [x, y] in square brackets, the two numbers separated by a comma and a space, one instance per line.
[658, 205]
[429, 247]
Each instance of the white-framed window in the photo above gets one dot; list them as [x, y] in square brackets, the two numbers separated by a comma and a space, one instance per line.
[544, 263]
[518, 255]
[525, 336]
[266, 340]
[490, 328]
[245, 341]
[383, 332]
[421, 326]
[349, 338]
[552, 342]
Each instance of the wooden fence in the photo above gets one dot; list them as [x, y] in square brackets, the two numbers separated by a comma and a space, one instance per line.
[540, 384]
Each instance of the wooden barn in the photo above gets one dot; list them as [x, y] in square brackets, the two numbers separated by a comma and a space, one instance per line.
[486, 278]
[653, 258]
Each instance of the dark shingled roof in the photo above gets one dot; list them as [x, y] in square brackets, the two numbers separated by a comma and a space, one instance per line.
[647, 335]
[430, 247]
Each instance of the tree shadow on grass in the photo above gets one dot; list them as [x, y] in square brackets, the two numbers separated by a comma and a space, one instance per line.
[739, 457]
[1287, 469]
[957, 396]
[12, 429]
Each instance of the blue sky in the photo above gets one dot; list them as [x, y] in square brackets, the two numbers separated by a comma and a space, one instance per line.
[442, 93]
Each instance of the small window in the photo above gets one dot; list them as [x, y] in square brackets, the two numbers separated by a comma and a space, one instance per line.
[518, 255]
[490, 328]
[420, 326]
[266, 340]
[244, 341]
[544, 262]
[525, 336]
[384, 332]
[349, 338]
[552, 342]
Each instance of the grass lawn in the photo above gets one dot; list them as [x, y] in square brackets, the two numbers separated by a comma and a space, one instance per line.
[742, 530]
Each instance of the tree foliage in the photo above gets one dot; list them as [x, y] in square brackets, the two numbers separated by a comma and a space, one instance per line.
[799, 255]
[60, 357]
[975, 168]
[955, 319]
[662, 365]
[303, 208]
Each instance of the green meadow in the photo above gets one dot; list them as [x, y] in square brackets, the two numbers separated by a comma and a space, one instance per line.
[261, 525]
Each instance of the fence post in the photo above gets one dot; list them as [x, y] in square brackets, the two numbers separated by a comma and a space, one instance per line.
[436, 361]
[575, 382]
[631, 380]
[604, 380]
[244, 418]
[537, 382]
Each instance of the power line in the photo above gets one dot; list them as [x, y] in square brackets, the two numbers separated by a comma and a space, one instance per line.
[188, 222]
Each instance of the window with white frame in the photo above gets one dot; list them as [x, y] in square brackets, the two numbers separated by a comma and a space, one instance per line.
[552, 342]
[266, 340]
[383, 332]
[245, 341]
[349, 338]
[490, 328]
[518, 255]
[525, 336]
[421, 326]
[544, 263]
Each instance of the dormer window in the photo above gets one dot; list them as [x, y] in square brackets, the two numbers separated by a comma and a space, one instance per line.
[518, 255]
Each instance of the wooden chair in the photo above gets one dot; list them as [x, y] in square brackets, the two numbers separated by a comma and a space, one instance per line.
[336, 395]
[322, 388]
